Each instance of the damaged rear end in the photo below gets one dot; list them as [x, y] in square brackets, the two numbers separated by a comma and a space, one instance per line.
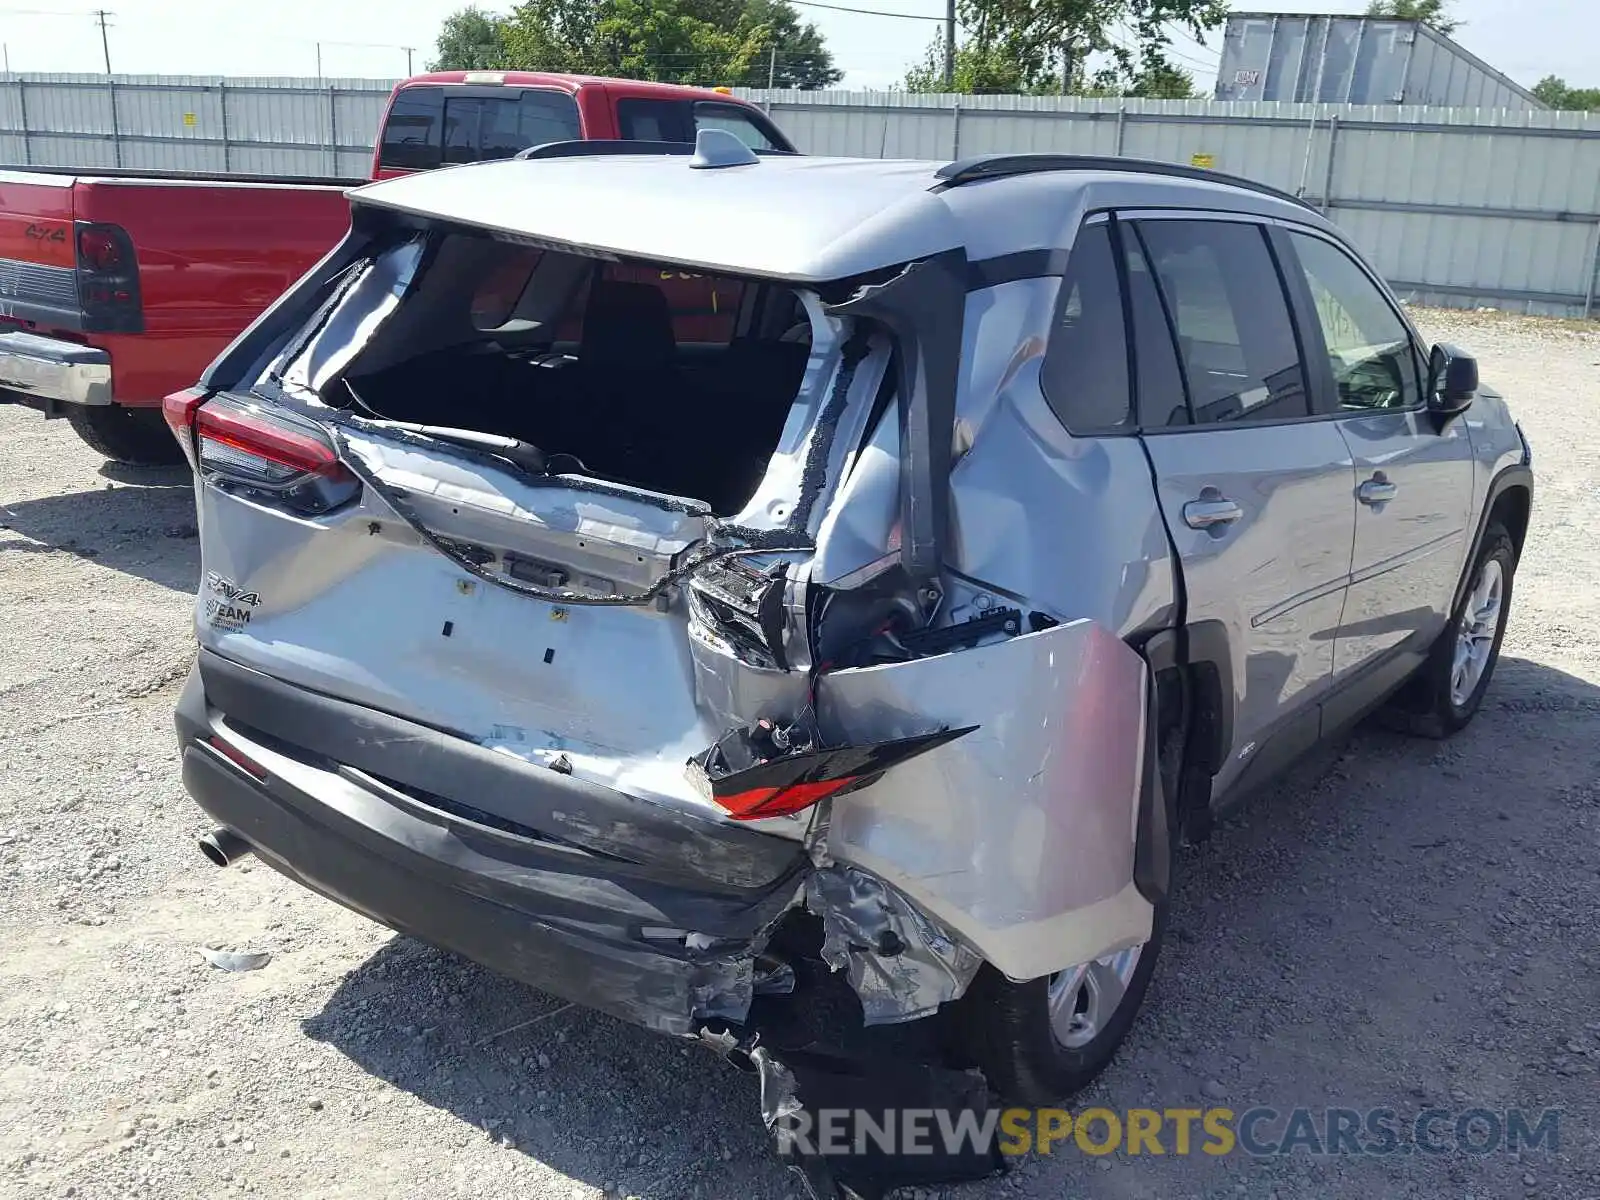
[588, 615]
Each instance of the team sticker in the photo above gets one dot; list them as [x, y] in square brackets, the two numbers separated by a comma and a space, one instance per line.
[227, 605]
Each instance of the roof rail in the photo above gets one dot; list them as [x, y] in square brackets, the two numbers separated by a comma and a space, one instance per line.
[598, 146]
[604, 146]
[1000, 166]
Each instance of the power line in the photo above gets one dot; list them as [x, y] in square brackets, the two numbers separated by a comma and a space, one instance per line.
[868, 12]
[1162, 50]
[1193, 62]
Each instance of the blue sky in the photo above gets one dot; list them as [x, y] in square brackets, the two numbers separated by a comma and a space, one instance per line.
[1527, 40]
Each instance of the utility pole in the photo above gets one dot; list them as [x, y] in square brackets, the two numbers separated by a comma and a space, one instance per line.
[319, 63]
[950, 45]
[772, 68]
[1068, 59]
[100, 15]
[408, 50]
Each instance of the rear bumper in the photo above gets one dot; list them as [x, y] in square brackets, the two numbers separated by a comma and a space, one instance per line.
[55, 371]
[588, 928]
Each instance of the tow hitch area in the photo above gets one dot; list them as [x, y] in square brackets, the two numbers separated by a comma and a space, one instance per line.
[854, 1112]
[856, 1129]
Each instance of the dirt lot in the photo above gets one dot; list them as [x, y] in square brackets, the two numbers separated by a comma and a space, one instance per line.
[1406, 924]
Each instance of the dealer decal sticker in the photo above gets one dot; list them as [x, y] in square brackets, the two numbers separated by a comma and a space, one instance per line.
[228, 606]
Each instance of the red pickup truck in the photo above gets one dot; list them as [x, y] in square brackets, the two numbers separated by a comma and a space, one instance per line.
[118, 287]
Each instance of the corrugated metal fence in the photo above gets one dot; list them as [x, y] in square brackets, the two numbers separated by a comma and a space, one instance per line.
[190, 123]
[1456, 206]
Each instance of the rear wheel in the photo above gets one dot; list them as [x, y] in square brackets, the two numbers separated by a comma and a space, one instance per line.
[1040, 1041]
[1447, 690]
[138, 436]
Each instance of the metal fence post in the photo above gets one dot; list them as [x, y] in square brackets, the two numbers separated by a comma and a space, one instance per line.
[1333, 146]
[955, 132]
[1594, 269]
[222, 103]
[116, 127]
[22, 108]
[1122, 124]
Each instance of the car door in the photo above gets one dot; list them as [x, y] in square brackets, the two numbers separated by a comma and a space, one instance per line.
[1256, 491]
[1413, 478]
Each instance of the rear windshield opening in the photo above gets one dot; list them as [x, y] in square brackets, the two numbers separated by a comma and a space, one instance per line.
[667, 379]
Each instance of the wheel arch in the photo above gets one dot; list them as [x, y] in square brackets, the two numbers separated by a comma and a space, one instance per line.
[1195, 661]
[1509, 501]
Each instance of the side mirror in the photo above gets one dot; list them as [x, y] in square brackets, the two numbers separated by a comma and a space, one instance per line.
[1452, 381]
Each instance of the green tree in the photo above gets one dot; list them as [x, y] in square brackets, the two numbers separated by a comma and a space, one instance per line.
[1160, 80]
[708, 42]
[470, 41]
[802, 59]
[1030, 45]
[1429, 12]
[978, 71]
[1557, 94]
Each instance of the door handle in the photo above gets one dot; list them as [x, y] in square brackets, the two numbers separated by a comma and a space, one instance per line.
[1377, 490]
[1212, 511]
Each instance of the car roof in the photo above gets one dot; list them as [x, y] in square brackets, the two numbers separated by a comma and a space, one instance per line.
[801, 218]
[571, 83]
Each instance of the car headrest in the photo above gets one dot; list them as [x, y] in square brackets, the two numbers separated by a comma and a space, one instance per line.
[627, 327]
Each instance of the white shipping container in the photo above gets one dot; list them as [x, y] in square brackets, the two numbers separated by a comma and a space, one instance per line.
[1356, 60]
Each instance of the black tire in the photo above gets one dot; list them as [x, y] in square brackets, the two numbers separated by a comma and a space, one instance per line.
[138, 436]
[1003, 1028]
[1425, 706]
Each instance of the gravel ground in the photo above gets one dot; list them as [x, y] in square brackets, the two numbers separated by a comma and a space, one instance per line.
[1404, 924]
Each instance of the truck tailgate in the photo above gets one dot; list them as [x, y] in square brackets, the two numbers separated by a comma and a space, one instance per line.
[37, 279]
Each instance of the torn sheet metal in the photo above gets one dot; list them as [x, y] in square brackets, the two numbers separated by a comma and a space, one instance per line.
[722, 987]
[902, 964]
[1020, 836]
[348, 320]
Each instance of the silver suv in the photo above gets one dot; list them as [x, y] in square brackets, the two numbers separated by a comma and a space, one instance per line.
[639, 572]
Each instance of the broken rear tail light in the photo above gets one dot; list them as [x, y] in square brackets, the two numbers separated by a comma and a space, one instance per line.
[270, 454]
[178, 409]
[748, 777]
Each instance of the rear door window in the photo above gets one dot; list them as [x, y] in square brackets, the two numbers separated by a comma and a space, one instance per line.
[1085, 372]
[1161, 395]
[1235, 337]
[655, 121]
[735, 120]
[411, 134]
[679, 121]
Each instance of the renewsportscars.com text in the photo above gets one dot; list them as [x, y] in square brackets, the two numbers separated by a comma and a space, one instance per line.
[1260, 1131]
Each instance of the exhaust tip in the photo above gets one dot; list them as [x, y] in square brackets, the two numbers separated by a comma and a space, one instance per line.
[223, 847]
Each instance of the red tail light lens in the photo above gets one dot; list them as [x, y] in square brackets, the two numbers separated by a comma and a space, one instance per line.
[98, 249]
[236, 756]
[179, 409]
[277, 449]
[271, 454]
[751, 779]
[758, 803]
[108, 279]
